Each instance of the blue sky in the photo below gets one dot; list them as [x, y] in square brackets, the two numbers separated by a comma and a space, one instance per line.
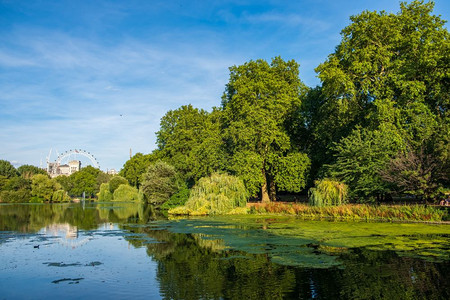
[99, 75]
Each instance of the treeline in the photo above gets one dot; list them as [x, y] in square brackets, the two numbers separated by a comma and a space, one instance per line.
[376, 127]
[29, 183]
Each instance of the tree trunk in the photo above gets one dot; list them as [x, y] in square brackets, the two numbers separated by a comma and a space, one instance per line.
[264, 189]
[272, 189]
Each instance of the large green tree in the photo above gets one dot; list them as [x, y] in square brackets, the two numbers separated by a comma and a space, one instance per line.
[190, 140]
[403, 58]
[136, 166]
[258, 101]
[160, 182]
[27, 171]
[361, 156]
[7, 169]
[388, 69]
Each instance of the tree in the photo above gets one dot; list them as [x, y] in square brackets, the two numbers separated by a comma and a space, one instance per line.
[190, 140]
[415, 174]
[160, 182]
[104, 195]
[7, 169]
[257, 103]
[115, 182]
[42, 187]
[215, 194]
[124, 192]
[388, 68]
[27, 171]
[85, 181]
[136, 166]
[361, 156]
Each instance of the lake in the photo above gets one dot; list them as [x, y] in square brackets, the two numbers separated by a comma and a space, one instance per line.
[128, 250]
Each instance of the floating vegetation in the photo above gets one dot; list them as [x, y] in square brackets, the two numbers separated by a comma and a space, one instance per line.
[71, 280]
[313, 243]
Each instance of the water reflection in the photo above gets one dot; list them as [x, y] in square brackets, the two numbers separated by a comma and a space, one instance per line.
[222, 258]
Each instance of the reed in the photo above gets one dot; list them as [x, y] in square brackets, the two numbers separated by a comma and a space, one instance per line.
[353, 211]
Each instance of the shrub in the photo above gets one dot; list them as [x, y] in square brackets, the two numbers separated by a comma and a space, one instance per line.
[160, 182]
[217, 194]
[328, 192]
[20, 196]
[104, 194]
[115, 182]
[60, 196]
[127, 193]
[177, 199]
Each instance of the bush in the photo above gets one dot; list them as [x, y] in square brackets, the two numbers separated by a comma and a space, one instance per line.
[217, 194]
[160, 182]
[328, 192]
[126, 193]
[20, 196]
[104, 194]
[115, 182]
[60, 196]
[177, 199]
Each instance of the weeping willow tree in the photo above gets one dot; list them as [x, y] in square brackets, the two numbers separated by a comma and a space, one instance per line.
[217, 194]
[328, 192]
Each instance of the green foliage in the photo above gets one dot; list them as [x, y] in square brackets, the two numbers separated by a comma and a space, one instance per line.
[104, 195]
[291, 172]
[7, 169]
[160, 182]
[177, 199]
[19, 196]
[328, 192]
[135, 167]
[387, 69]
[416, 174]
[42, 187]
[115, 182]
[217, 194]
[360, 157]
[259, 99]
[60, 196]
[190, 140]
[354, 211]
[126, 192]
[85, 181]
[27, 171]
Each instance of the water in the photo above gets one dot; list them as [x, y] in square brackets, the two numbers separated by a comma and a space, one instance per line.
[125, 250]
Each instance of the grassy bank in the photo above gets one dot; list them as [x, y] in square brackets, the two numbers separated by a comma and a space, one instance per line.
[353, 211]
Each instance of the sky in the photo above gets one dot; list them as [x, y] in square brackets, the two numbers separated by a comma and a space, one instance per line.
[99, 75]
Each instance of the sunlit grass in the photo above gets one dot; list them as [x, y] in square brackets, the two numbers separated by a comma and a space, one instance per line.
[353, 211]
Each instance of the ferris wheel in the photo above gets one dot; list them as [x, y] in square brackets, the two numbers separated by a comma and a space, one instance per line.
[77, 154]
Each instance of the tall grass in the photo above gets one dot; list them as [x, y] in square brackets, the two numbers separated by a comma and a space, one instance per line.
[328, 192]
[217, 194]
[354, 211]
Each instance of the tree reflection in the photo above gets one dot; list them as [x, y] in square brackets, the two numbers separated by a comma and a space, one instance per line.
[192, 267]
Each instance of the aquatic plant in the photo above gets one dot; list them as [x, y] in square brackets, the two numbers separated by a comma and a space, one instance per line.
[217, 194]
[328, 192]
[354, 211]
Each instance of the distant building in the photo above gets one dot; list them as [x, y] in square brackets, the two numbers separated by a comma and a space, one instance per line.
[112, 172]
[54, 169]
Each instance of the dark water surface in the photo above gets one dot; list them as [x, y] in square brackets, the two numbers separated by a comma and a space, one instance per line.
[126, 251]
